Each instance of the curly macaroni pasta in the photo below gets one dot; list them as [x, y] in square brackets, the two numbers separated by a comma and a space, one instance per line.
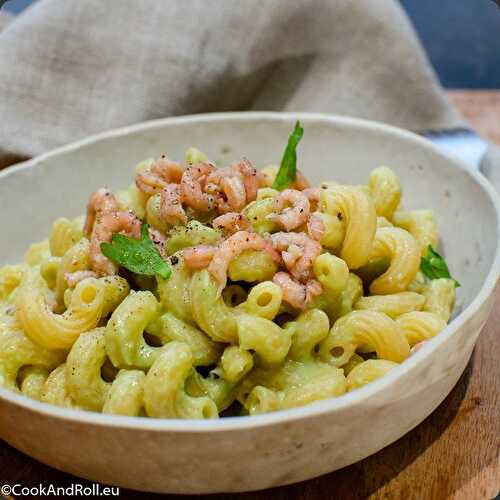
[201, 292]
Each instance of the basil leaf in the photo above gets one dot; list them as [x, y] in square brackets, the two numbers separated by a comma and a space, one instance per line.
[434, 266]
[139, 256]
[287, 172]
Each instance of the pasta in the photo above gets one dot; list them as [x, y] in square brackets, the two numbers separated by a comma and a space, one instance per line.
[358, 211]
[402, 249]
[201, 292]
[367, 372]
[393, 305]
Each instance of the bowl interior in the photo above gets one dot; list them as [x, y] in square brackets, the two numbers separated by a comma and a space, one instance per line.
[337, 149]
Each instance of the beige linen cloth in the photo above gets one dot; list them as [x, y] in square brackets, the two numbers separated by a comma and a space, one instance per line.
[73, 68]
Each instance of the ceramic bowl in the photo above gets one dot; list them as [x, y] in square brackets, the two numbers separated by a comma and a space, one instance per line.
[250, 453]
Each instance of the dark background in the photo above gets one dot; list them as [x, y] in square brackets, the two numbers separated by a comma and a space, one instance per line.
[462, 38]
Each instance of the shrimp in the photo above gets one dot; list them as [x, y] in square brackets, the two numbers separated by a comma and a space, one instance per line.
[301, 182]
[298, 252]
[295, 293]
[233, 187]
[252, 179]
[294, 216]
[161, 173]
[193, 180]
[109, 224]
[231, 248]
[170, 205]
[315, 227]
[232, 222]
[101, 202]
[313, 195]
[72, 279]
[199, 257]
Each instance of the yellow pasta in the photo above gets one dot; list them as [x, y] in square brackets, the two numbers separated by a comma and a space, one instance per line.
[76, 258]
[358, 211]
[334, 233]
[234, 295]
[308, 330]
[440, 297]
[133, 199]
[404, 253]
[418, 326]
[354, 361]
[263, 400]
[37, 253]
[295, 384]
[126, 394]
[250, 323]
[367, 372]
[421, 224]
[270, 342]
[58, 331]
[55, 389]
[175, 294]
[168, 328]
[217, 389]
[124, 334]
[32, 381]
[194, 233]
[257, 212]
[210, 312]
[264, 300]
[153, 214]
[64, 234]
[393, 304]
[10, 279]
[252, 266]
[385, 191]
[18, 351]
[84, 382]
[49, 270]
[374, 331]
[350, 295]
[164, 388]
[235, 363]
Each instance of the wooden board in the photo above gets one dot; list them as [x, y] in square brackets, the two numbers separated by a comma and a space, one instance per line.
[453, 454]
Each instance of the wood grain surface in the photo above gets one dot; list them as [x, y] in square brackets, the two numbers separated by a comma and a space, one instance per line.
[453, 454]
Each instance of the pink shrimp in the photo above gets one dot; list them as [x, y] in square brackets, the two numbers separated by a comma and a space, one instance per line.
[252, 179]
[109, 224]
[161, 173]
[233, 187]
[199, 257]
[171, 206]
[193, 181]
[72, 279]
[298, 252]
[313, 195]
[231, 248]
[295, 293]
[101, 202]
[232, 222]
[301, 182]
[315, 226]
[294, 216]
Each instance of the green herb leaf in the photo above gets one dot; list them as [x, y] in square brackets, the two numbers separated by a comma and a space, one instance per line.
[288, 168]
[434, 266]
[139, 256]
